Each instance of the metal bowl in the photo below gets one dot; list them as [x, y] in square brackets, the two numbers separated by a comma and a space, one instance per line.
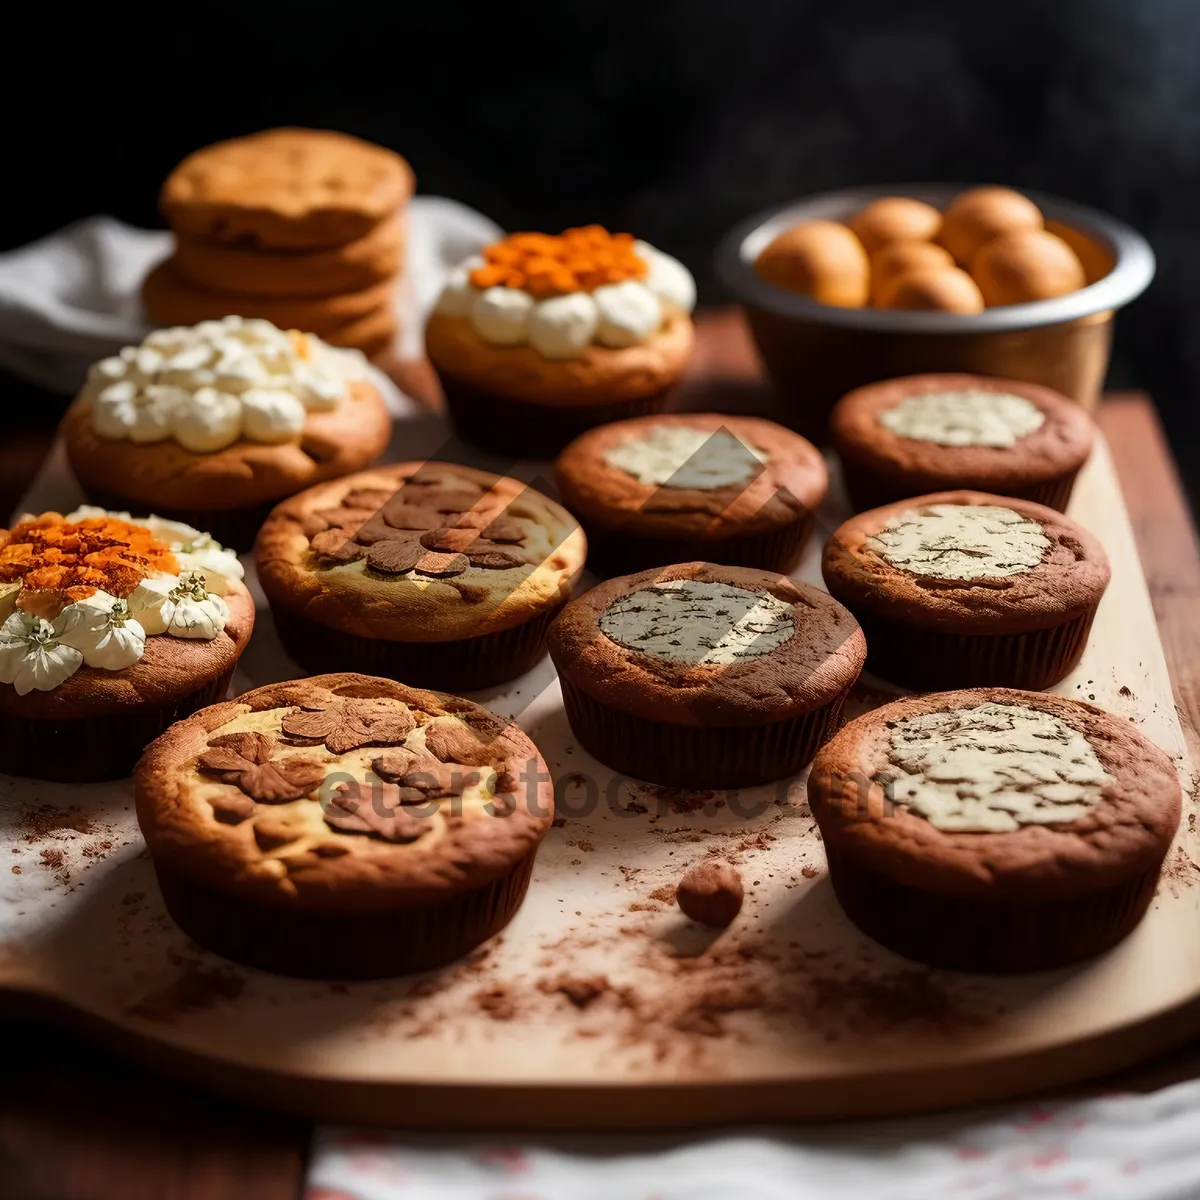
[815, 353]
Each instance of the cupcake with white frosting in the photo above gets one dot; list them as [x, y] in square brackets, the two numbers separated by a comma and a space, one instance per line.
[111, 628]
[215, 423]
[541, 337]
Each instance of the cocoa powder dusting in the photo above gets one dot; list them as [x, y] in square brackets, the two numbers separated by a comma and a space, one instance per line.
[195, 989]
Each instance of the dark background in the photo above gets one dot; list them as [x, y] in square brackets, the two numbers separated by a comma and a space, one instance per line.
[671, 118]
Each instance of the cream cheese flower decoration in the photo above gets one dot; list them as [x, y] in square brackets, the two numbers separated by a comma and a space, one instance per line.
[103, 630]
[31, 656]
[191, 611]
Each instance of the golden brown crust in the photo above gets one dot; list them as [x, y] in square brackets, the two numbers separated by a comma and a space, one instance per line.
[1068, 582]
[286, 189]
[1123, 835]
[166, 476]
[1060, 446]
[372, 333]
[170, 299]
[808, 671]
[792, 482]
[370, 260]
[170, 669]
[325, 867]
[359, 599]
[598, 374]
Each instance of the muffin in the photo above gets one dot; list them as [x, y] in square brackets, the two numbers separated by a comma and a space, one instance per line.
[541, 338]
[665, 489]
[343, 826]
[964, 589]
[214, 424]
[424, 572]
[926, 433]
[111, 628]
[701, 676]
[994, 830]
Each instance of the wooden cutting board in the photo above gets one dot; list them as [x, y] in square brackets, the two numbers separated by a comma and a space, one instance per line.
[601, 1007]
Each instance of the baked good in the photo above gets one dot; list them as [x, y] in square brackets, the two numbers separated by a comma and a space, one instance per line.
[214, 424]
[932, 289]
[664, 489]
[994, 830]
[702, 676]
[541, 338]
[343, 826]
[371, 334]
[170, 299]
[372, 259]
[421, 571]
[892, 219]
[286, 189]
[974, 217]
[821, 259]
[111, 628]
[965, 589]
[927, 433]
[1026, 265]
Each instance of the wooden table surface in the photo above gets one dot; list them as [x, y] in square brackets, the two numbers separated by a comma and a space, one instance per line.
[78, 1124]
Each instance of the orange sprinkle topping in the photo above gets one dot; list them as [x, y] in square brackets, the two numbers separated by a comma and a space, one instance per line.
[578, 260]
[73, 559]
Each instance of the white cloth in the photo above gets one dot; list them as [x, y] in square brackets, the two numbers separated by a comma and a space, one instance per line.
[72, 298]
[1119, 1148]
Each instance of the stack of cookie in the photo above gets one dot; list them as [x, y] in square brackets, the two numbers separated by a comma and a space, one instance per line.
[301, 227]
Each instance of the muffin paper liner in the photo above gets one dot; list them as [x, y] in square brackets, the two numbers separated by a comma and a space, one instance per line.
[997, 937]
[686, 756]
[524, 430]
[930, 660]
[615, 551]
[867, 490]
[236, 528]
[465, 664]
[291, 940]
[94, 748]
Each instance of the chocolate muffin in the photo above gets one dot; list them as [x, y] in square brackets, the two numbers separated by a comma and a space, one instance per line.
[426, 572]
[926, 433]
[111, 628]
[703, 676]
[666, 489]
[963, 589]
[343, 826]
[994, 830]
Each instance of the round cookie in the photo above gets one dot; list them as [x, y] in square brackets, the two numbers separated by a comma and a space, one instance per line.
[699, 486]
[965, 589]
[343, 826]
[370, 335]
[422, 571]
[247, 272]
[215, 424]
[703, 676]
[994, 830]
[927, 433]
[111, 628]
[170, 299]
[286, 189]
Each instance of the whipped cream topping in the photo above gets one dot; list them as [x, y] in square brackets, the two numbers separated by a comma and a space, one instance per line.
[562, 327]
[210, 384]
[682, 456]
[970, 417]
[961, 541]
[107, 632]
[993, 769]
[694, 622]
